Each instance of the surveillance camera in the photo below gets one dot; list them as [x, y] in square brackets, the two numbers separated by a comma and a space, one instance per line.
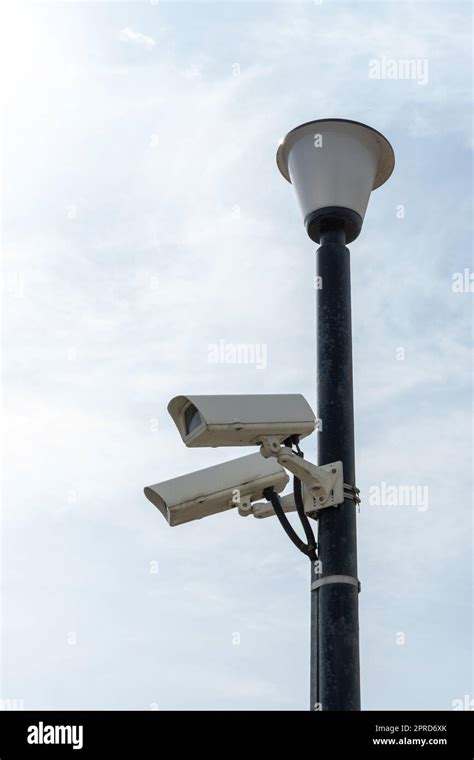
[216, 489]
[240, 420]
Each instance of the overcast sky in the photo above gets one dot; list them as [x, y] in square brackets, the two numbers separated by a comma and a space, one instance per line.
[143, 220]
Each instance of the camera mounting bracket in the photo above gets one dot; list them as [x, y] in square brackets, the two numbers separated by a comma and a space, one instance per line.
[264, 508]
[324, 484]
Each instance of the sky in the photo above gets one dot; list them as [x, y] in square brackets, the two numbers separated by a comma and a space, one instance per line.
[144, 221]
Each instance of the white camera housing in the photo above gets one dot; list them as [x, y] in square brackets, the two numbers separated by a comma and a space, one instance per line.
[216, 489]
[241, 420]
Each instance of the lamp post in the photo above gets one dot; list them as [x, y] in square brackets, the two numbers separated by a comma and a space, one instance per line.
[334, 164]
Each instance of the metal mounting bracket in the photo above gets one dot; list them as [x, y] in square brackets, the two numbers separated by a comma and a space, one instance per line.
[323, 484]
[244, 506]
[264, 509]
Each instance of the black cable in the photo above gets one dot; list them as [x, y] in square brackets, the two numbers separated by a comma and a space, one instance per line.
[308, 550]
[297, 491]
[298, 494]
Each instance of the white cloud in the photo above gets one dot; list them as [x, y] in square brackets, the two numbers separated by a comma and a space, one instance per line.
[136, 38]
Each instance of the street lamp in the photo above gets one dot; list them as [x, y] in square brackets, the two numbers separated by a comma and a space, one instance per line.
[334, 164]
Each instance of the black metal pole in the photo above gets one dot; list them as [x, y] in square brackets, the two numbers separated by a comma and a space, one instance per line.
[334, 608]
[315, 703]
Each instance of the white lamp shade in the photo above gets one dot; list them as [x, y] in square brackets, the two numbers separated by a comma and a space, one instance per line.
[335, 163]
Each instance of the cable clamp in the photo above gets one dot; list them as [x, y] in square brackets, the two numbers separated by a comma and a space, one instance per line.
[352, 493]
[335, 579]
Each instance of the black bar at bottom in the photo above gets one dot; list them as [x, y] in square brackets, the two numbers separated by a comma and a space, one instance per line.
[116, 734]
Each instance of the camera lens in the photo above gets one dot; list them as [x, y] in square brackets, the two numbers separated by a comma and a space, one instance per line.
[192, 419]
